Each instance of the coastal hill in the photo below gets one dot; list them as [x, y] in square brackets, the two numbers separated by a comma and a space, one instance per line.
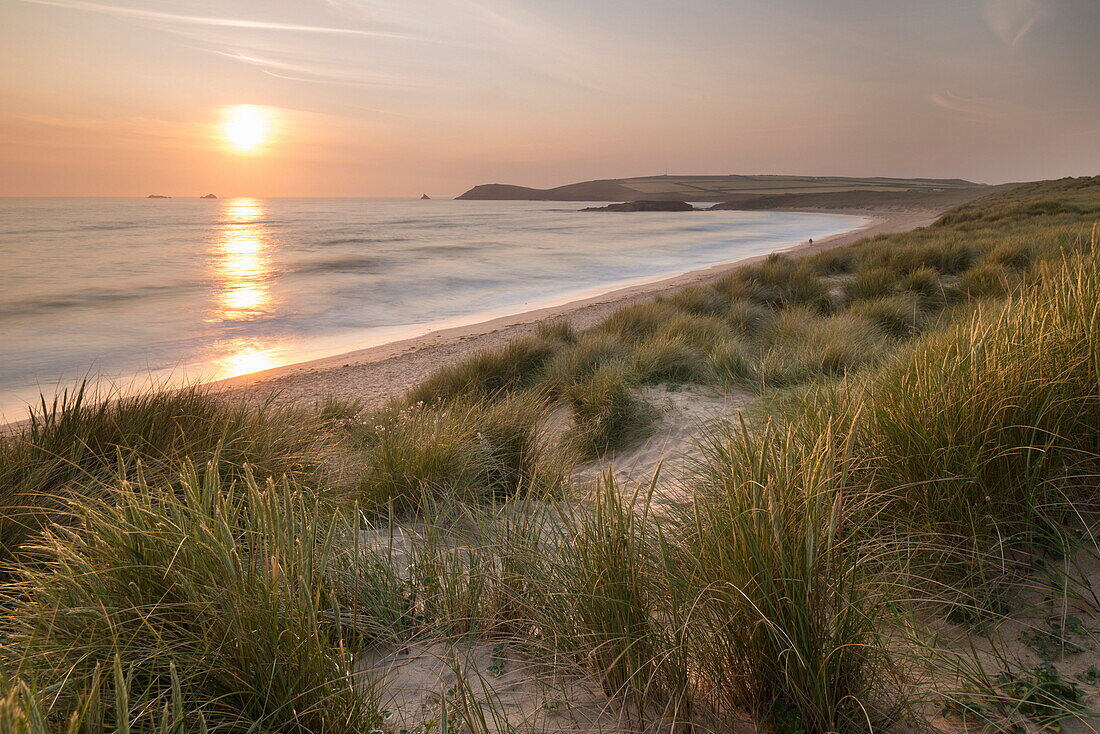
[715, 188]
[936, 199]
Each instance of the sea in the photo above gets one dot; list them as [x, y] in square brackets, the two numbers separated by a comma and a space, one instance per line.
[123, 291]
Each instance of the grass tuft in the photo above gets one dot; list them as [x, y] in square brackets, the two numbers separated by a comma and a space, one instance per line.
[899, 316]
[215, 599]
[605, 413]
[988, 280]
[875, 282]
[76, 445]
[665, 358]
[786, 617]
[804, 346]
[472, 452]
[491, 372]
[778, 282]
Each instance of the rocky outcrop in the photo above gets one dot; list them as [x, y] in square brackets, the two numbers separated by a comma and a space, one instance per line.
[157, 196]
[425, 197]
[644, 206]
[209, 196]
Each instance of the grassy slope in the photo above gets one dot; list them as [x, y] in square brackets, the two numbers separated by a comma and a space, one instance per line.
[931, 431]
[708, 188]
[871, 199]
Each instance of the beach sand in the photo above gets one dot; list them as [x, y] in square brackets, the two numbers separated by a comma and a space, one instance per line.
[377, 374]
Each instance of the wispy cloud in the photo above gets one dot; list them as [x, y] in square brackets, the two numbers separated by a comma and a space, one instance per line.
[157, 16]
[976, 109]
[331, 43]
[414, 45]
[995, 110]
[1011, 20]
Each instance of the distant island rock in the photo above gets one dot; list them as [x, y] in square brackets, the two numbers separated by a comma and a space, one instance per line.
[157, 196]
[724, 188]
[425, 197]
[208, 196]
[644, 206]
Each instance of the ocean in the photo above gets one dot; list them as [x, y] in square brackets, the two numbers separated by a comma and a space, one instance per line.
[172, 290]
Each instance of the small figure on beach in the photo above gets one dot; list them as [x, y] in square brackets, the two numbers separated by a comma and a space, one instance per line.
[811, 241]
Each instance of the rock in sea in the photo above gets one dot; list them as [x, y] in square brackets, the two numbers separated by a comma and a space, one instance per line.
[644, 206]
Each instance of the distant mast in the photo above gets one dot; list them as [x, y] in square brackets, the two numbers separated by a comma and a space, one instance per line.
[425, 197]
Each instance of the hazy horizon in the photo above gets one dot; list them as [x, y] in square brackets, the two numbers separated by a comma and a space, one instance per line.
[159, 194]
[391, 99]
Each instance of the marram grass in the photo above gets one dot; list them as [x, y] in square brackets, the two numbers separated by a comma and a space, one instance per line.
[178, 562]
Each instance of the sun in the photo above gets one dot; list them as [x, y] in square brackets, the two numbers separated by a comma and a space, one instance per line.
[245, 127]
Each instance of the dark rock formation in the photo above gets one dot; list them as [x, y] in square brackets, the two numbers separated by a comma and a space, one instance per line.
[209, 196]
[424, 197]
[644, 206]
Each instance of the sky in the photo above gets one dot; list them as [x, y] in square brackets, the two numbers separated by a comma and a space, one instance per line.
[403, 97]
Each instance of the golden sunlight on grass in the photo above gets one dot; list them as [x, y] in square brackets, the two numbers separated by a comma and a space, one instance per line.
[246, 127]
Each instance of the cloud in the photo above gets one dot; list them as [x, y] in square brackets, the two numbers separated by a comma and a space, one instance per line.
[381, 44]
[1011, 20]
[157, 16]
[994, 110]
[976, 109]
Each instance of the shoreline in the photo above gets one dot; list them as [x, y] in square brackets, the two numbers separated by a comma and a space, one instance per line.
[379, 373]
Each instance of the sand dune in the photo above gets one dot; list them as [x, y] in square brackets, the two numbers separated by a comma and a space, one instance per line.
[378, 374]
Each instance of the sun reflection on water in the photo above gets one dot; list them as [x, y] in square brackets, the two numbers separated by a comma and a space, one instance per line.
[240, 260]
[243, 356]
[241, 263]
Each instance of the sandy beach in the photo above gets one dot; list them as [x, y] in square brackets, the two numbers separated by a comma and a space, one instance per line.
[377, 374]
